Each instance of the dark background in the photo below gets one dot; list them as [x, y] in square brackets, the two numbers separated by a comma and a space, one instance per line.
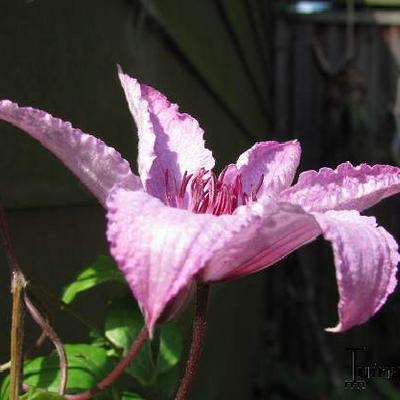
[248, 71]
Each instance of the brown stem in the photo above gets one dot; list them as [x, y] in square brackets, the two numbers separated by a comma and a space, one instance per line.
[18, 284]
[51, 334]
[116, 372]
[199, 329]
[39, 342]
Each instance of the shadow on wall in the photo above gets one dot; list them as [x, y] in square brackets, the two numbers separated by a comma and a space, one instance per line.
[211, 57]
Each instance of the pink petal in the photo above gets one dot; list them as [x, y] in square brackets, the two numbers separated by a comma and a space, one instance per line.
[98, 166]
[346, 187]
[168, 139]
[278, 163]
[160, 249]
[276, 230]
[366, 258]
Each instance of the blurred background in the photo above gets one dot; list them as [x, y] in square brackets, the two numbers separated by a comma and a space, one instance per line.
[324, 72]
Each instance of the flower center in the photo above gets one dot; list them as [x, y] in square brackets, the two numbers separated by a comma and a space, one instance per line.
[206, 193]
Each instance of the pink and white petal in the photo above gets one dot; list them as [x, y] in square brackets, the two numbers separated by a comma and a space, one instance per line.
[366, 258]
[277, 162]
[168, 140]
[97, 165]
[277, 229]
[345, 188]
[160, 249]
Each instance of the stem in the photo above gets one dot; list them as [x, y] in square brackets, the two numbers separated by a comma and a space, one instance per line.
[39, 342]
[18, 284]
[116, 372]
[51, 334]
[5, 366]
[199, 329]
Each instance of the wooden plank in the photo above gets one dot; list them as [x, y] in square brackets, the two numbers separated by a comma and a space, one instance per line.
[282, 83]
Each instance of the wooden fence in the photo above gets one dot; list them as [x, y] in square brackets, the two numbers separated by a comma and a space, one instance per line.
[337, 91]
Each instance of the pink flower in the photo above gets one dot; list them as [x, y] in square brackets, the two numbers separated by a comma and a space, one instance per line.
[179, 222]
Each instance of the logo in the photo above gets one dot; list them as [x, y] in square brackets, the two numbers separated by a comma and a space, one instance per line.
[363, 372]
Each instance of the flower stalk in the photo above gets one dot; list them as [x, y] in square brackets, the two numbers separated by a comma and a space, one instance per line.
[199, 330]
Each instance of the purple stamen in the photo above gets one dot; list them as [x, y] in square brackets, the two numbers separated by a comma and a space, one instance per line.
[207, 193]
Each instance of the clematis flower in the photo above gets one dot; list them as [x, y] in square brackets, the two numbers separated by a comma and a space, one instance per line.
[178, 221]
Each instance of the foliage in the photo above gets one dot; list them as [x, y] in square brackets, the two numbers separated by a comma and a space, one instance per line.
[153, 375]
[101, 271]
[35, 394]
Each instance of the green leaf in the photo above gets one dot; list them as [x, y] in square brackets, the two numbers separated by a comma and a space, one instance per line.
[5, 388]
[131, 396]
[102, 270]
[86, 366]
[123, 324]
[167, 382]
[171, 347]
[40, 395]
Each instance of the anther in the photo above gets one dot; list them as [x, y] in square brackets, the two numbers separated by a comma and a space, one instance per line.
[208, 193]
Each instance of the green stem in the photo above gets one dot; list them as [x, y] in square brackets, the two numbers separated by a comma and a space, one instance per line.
[199, 330]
